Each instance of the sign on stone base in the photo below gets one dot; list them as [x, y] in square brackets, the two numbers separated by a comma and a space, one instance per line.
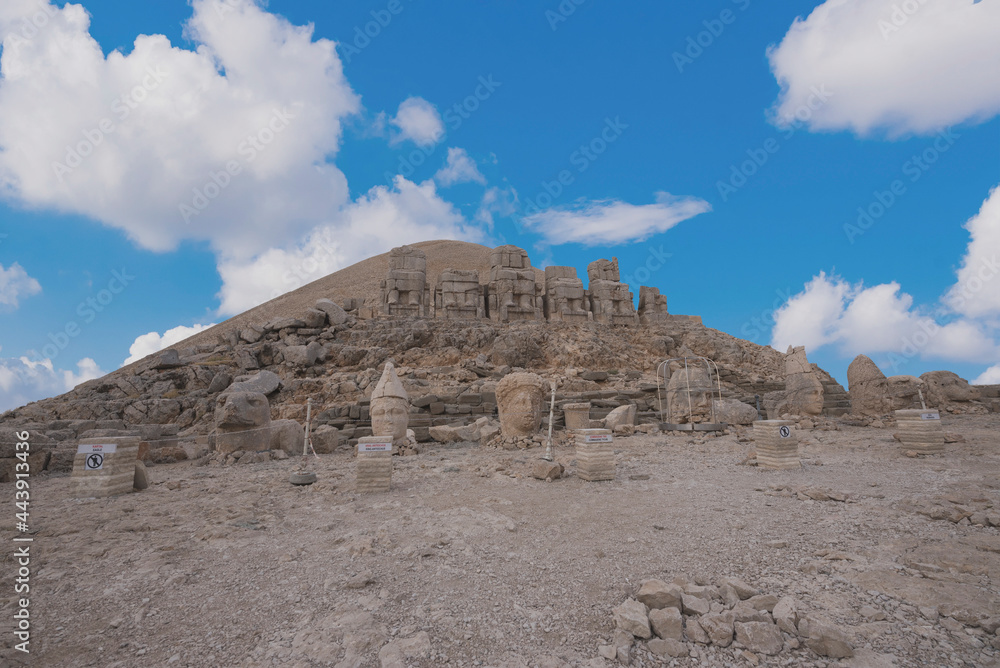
[374, 464]
[104, 466]
[920, 430]
[777, 444]
[595, 456]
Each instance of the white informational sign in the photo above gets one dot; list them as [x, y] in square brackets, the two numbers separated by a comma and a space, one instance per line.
[930, 416]
[95, 452]
[597, 438]
[784, 432]
[385, 446]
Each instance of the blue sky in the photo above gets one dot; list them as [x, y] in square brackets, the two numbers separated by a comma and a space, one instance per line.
[804, 173]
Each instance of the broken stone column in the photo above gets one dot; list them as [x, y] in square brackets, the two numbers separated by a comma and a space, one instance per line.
[458, 295]
[512, 294]
[803, 389]
[777, 444]
[565, 298]
[374, 464]
[652, 306]
[610, 299]
[920, 430]
[105, 466]
[595, 456]
[404, 291]
[577, 416]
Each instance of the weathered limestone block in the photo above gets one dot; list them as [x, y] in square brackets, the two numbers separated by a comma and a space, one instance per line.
[595, 456]
[520, 397]
[105, 466]
[734, 411]
[945, 388]
[334, 314]
[287, 435]
[565, 298]
[803, 389]
[868, 387]
[512, 293]
[374, 464]
[610, 299]
[689, 395]
[920, 430]
[458, 295]
[404, 291]
[623, 415]
[264, 382]
[777, 444]
[242, 422]
[390, 408]
[577, 416]
[652, 306]
[904, 392]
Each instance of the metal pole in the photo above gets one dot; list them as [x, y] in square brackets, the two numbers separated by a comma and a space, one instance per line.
[305, 444]
[552, 410]
[922, 402]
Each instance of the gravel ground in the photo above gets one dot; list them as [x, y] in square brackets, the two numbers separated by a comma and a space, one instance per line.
[471, 562]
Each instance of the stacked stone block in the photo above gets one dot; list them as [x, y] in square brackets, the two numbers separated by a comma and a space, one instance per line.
[777, 444]
[374, 464]
[117, 457]
[595, 456]
[920, 430]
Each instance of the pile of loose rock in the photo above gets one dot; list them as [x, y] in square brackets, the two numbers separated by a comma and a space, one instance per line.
[974, 509]
[805, 493]
[733, 617]
[241, 457]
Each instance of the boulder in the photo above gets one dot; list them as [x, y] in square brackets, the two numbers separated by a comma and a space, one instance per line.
[544, 470]
[167, 359]
[287, 435]
[658, 594]
[667, 622]
[141, 480]
[694, 605]
[734, 411]
[631, 617]
[264, 382]
[334, 314]
[760, 637]
[220, 382]
[314, 318]
[623, 415]
[825, 639]
[719, 628]
[303, 355]
[786, 615]
[868, 387]
[325, 439]
[667, 647]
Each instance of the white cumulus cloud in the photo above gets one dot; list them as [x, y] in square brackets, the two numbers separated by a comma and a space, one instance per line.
[612, 222]
[381, 219]
[460, 168]
[900, 67]
[419, 121]
[15, 285]
[977, 290]
[154, 342]
[23, 380]
[989, 377]
[227, 143]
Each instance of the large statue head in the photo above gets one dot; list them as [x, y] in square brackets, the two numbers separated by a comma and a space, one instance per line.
[236, 411]
[689, 395]
[390, 406]
[804, 393]
[520, 397]
[904, 392]
[945, 387]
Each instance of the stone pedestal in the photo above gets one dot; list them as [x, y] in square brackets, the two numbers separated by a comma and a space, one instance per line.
[577, 416]
[374, 464]
[920, 430]
[105, 466]
[777, 444]
[595, 456]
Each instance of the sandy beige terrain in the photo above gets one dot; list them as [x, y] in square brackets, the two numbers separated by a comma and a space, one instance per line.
[469, 561]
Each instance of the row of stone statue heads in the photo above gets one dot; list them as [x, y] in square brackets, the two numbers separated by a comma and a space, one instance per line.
[512, 292]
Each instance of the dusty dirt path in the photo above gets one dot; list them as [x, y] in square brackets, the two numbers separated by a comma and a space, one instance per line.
[235, 567]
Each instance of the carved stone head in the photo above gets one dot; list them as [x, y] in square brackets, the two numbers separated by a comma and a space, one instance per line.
[689, 395]
[520, 398]
[390, 406]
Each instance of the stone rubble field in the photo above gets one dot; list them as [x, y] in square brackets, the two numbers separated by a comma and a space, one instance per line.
[471, 561]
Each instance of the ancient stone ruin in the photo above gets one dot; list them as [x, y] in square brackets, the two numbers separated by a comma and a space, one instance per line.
[652, 306]
[390, 409]
[565, 298]
[458, 295]
[610, 299]
[404, 292]
[512, 294]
